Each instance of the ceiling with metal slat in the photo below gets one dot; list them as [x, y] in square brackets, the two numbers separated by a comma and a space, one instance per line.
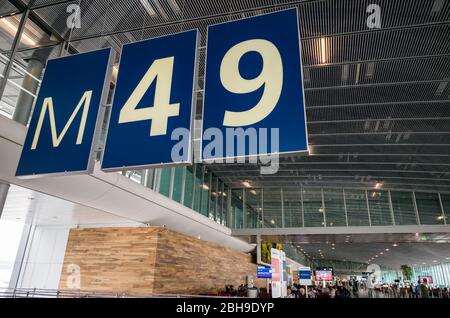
[377, 100]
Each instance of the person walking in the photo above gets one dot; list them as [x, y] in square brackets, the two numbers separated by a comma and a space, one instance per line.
[424, 291]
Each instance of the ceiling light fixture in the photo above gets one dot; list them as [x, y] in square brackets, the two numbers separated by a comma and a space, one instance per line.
[323, 49]
[147, 6]
[378, 185]
[13, 30]
[246, 184]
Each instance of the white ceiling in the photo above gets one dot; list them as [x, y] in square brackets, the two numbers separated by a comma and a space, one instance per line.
[414, 249]
[413, 254]
[29, 206]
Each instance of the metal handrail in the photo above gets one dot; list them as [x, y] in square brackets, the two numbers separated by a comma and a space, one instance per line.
[57, 293]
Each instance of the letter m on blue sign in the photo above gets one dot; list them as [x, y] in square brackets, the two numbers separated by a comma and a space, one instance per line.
[63, 128]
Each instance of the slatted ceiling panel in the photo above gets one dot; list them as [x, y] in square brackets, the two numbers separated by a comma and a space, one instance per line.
[316, 18]
[367, 94]
[380, 139]
[406, 127]
[387, 71]
[7, 8]
[379, 44]
[350, 16]
[388, 111]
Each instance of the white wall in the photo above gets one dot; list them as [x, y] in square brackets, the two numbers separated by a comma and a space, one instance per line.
[44, 258]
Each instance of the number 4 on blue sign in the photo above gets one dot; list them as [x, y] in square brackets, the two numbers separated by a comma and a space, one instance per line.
[153, 98]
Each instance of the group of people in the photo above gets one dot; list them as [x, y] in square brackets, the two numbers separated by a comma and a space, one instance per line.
[348, 289]
[344, 290]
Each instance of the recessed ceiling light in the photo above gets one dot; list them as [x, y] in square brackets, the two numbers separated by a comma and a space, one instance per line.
[394, 245]
[434, 261]
[387, 250]
[381, 253]
[246, 184]
[378, 185]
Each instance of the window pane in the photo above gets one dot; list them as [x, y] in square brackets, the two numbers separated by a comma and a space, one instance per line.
[205, 187]
[164, 182]
[237, 208]
[380, 211]
[334, 207]
[177, 184]
[272, 207]
[445, 198]
[312, 207]
[429, 208]
[356, 208]
[402, 204]
[225, 207]
[213, 198]
[188, 188]
[220, 198]
[292, 207]
[253, 208]
[197, 186]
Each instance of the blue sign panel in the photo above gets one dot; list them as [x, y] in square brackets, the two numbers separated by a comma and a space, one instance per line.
[62, 130]
[264, 272]
[254, 81]
[152, 108]
[304, 274]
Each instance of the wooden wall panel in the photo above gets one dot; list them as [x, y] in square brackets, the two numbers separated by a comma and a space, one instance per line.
[188, 265]
[153, 260]
[112, 259]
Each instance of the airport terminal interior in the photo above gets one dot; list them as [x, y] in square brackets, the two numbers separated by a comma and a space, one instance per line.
[363, 213]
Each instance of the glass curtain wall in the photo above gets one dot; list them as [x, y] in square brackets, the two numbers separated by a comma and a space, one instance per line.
[195, 187]
[440, 274]
[25, 66]
[315, 207]
[293, 207]
[403, 206]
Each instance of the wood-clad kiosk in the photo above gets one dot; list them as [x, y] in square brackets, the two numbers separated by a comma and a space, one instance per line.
[151, 260]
